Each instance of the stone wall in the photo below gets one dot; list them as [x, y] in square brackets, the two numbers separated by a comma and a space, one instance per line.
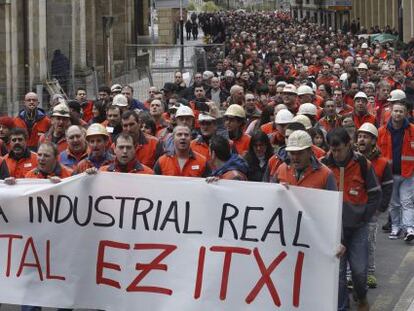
[31, 30]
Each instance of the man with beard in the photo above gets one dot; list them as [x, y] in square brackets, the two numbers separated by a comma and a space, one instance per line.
[33, 119]
[182, 161]
[98, 155]
[77, 148]
[234, 121]
[60, 122]
[20, 160]
[304, 169]
[367, 145]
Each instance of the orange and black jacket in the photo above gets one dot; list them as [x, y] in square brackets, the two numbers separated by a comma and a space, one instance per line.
[148, 149]
[387, 142]
[235, 168]
[384, 174]
[19, 166]
[195, 166]
[59, 171]
[316, 176]
[60, 142]
[133, 167]
[89, 162]
[36, 127]
[361, 193]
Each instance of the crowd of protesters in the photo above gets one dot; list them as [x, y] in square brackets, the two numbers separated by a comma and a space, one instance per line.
[291, 102]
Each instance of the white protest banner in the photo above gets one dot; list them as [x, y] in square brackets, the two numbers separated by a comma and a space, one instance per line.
[154, 243]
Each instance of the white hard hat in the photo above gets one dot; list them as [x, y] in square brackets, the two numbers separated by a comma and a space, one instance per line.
[184, 111]
[343, 76]
[397, 95]
[299, 140]
[302, 120]
[229, 74]
[120, 100]
[207, 75]
[369, 128]
[116, 88]
[284, 116]
[290, 88]
[305, 90]
[364, 45]
[235, 110]
[281, 84]
[307, 108]
[361, 95]
[363, 66]
[204, 116]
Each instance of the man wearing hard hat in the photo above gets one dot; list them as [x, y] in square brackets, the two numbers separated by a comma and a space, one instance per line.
[97, 138]
[396, 96]
[367, 145]
[276, 129]
[60, 122]
[234, 121]
[303, 168]
[361, 114]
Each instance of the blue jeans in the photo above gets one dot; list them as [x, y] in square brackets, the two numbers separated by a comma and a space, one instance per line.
[372, 242]
[402, 203]
[356, 243]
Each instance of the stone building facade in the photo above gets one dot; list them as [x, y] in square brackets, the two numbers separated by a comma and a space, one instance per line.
[32, 30]
[398, 14]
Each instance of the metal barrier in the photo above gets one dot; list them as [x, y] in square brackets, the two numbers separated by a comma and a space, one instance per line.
[154, 65]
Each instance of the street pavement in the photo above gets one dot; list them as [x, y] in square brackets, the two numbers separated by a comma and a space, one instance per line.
[395, 275]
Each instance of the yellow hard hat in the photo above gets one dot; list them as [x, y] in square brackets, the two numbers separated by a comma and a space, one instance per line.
[235, 110]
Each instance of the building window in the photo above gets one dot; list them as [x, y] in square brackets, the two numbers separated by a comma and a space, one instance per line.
[307, 1]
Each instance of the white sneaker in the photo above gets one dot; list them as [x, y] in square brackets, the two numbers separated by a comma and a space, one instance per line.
[395, 234]
[409, 236]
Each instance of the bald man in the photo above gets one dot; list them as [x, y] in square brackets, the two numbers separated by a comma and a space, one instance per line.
[33, 119]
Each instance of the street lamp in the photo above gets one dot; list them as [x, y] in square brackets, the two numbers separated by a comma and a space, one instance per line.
[181, 36]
